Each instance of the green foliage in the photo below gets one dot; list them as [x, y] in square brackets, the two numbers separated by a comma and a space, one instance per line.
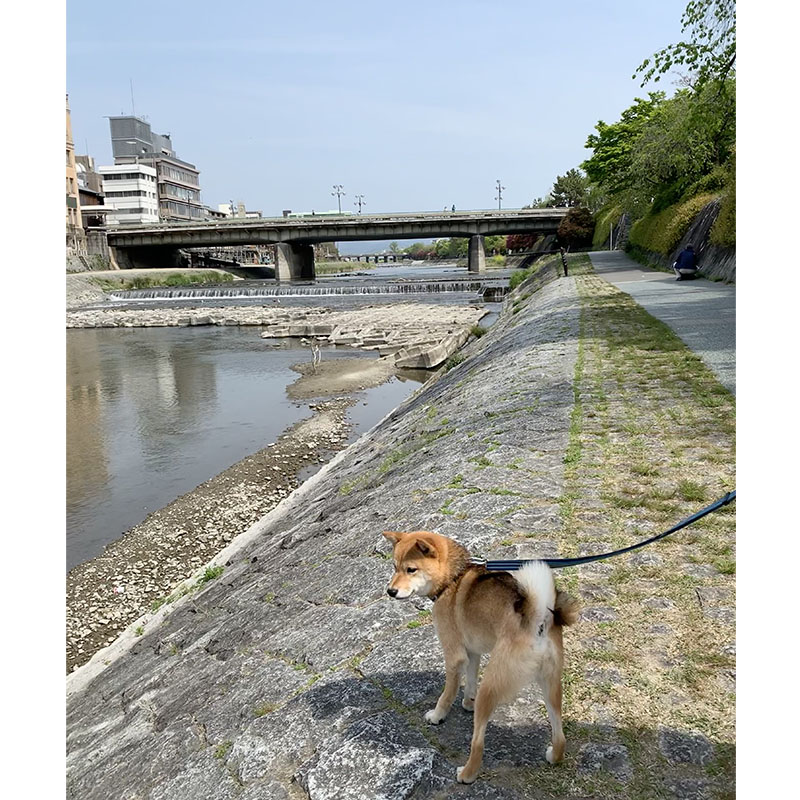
[612, 144]
[708, 53]
[419, 251]
[209, 574]
[451, 248]
[495, 244]
[723, 232]
[518, 276]
[662, 231]
[193, 278]
[541, 202]
[577, 228]
[606, 217]
[570, 190]
[454, 361]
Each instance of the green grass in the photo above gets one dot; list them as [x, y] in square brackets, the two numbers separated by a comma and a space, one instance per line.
[454, 361]
[198, 278]
[222, 750]
[332, 267]
[209, 575]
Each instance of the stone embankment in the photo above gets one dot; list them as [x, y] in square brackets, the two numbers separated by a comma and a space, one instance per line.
[282, 670]
[411, 335]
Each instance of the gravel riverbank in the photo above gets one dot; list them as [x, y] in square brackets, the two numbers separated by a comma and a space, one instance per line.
[138, 571]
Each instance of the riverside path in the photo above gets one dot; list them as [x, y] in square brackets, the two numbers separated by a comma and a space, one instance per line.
[701, 312]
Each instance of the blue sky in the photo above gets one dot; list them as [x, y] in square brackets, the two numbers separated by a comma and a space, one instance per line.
[415, 105]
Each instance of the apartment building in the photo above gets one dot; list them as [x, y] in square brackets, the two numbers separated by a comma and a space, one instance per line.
[75, 238]
[131, 194]
[177, 181]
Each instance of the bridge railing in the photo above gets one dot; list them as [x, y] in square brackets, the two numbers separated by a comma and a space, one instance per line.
[346, 219]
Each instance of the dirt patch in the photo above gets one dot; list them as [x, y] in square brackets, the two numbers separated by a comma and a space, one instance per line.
[340, 376]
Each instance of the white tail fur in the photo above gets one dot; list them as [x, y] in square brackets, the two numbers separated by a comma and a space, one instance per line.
[536, 580]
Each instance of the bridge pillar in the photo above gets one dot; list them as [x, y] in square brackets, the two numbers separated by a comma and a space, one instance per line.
[476, 257]
[294, 262]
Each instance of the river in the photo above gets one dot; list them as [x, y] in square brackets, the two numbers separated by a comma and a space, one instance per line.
[154, 412]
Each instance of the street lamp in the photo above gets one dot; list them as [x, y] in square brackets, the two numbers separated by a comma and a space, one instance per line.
[337, 190]
[499, 197]
[359, 201]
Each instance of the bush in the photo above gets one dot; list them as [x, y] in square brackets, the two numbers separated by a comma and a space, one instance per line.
[517, 277]
[723, 232]
[661, 232]
[577, 228]
[605, 218]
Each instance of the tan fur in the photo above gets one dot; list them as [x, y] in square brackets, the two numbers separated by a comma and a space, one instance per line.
[479, 612]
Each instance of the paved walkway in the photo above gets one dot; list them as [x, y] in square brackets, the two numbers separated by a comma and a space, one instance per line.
[701, 312]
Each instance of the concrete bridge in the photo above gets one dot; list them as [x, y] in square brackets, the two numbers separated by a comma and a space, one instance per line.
[158, 245]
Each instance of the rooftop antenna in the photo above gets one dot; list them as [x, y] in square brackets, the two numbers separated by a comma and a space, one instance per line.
[133, 106]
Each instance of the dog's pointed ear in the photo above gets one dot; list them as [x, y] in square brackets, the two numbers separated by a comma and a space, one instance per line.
[426, 547]
[394, 536]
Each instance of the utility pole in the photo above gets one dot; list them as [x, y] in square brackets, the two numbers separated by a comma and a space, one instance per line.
[359, 201]
[337, 191]
[499, 197]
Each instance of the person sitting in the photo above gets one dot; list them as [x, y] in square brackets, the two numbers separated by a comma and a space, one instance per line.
[686, 264]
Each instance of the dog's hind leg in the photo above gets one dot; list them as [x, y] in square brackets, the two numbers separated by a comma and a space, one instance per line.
[549, 680]
[471, 684]
[501, 682]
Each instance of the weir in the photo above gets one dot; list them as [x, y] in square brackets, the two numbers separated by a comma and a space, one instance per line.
[495, 289]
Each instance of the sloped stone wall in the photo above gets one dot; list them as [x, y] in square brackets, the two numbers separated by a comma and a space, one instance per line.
[715, 262]
[292, 673]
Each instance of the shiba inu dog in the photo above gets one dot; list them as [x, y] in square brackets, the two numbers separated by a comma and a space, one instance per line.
[517, 617]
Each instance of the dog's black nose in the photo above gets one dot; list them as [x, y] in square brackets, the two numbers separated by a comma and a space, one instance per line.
[391, 592]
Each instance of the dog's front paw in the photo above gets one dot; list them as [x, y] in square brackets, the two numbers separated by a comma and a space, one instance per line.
[434, 717]
[468, 704]
[461, 777]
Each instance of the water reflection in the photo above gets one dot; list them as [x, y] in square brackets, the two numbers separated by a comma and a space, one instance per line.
[152, 413]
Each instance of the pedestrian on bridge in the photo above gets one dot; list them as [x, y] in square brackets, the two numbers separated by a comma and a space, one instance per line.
[686, 264]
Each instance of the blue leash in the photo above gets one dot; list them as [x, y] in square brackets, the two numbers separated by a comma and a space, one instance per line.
[557, 563]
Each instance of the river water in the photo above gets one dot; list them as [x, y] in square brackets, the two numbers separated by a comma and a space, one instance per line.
[154, 412]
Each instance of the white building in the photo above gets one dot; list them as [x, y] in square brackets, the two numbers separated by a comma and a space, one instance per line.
[131, 191]
[238, 210]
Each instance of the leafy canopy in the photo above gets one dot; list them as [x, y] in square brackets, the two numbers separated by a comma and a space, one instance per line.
[612, 145]
[710, 52]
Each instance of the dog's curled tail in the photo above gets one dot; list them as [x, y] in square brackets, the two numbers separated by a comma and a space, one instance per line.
[566, 609]
[536, 581]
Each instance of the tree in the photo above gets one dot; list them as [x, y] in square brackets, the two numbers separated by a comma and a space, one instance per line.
[612, 146]
[495, 244]
[521, 241]
[394, 247]
[541, 202]
[686, 138]
[570, 190]
[577, 228]
[710, 52]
